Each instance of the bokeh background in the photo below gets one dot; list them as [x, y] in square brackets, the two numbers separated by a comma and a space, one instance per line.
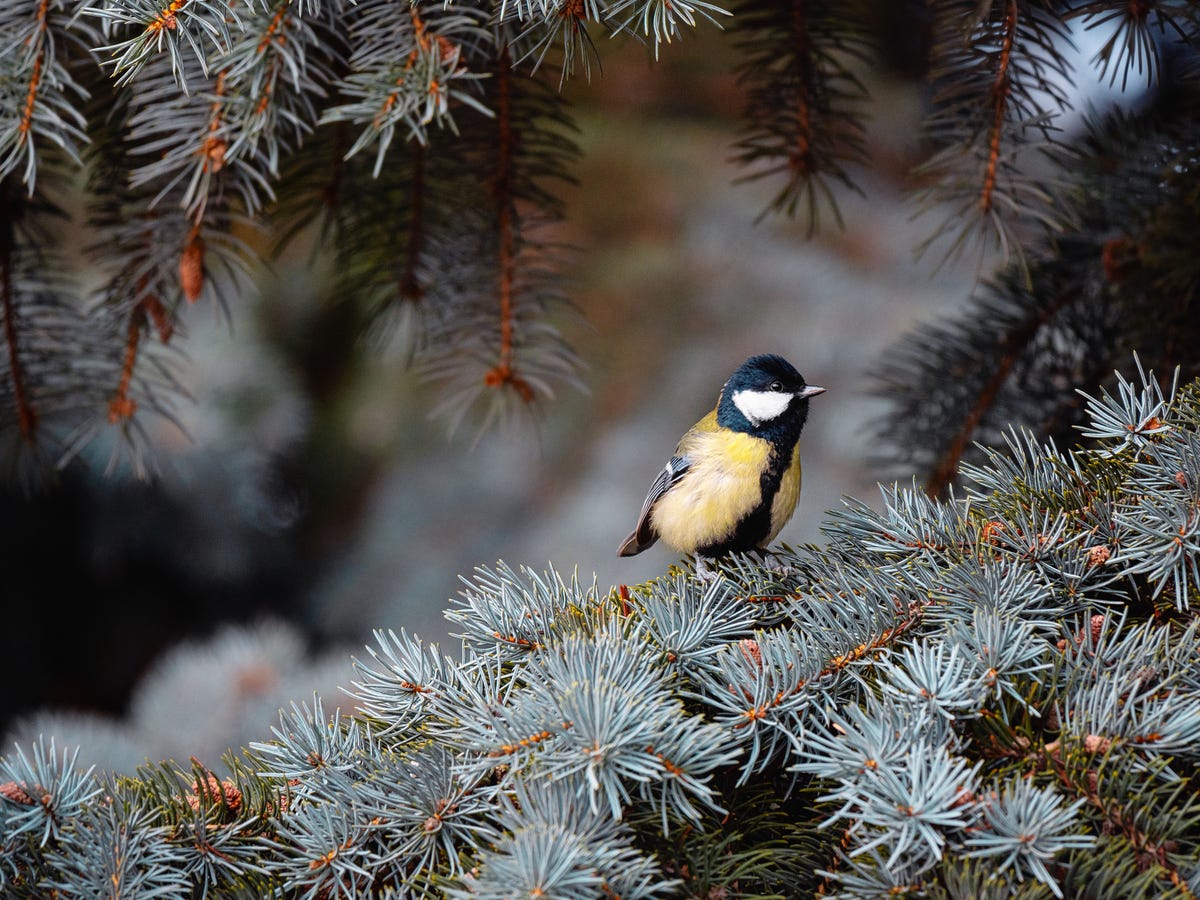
[314, 499]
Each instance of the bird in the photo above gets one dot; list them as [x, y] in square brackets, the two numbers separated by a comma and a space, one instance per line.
[734, 479]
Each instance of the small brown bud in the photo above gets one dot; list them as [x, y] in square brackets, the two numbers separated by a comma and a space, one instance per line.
[121, 408]
[225, 792]
[625, 596]
[447, 49]
[1118, 258]
[214, 150]
[1098, 556]
[751, 652]
[160, 317]
[1181, 479]
[15, 792]
[191, 269]
[1095, 743]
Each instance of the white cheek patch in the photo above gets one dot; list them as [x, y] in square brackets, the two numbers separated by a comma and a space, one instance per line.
[761, 406]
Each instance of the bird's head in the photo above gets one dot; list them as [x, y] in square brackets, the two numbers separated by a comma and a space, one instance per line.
[765, 394]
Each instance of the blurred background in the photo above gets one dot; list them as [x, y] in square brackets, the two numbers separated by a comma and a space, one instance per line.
[314, 499]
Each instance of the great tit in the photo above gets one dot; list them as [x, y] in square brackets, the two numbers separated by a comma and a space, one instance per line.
[734, 479]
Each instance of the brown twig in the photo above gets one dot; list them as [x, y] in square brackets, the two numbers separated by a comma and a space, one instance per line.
[26, 414]
[1001, 87]
[35, 79]
[502, 186]
[1013, 344]
[122, 406]
[800, 159]
[1117, 819]
[838, 663]
[277, 23]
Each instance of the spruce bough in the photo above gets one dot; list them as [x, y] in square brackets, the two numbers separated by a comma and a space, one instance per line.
[988, 696]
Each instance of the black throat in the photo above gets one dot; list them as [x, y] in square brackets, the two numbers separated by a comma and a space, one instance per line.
[782, 431]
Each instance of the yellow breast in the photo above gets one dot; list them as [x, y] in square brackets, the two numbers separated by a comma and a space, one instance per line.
[721, 488]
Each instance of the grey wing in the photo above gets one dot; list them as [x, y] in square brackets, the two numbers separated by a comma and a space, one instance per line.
[643, 535]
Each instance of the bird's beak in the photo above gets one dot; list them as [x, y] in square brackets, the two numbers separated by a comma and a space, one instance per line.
[811, 391]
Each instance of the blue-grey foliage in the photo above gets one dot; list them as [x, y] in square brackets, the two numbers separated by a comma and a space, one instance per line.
[992, 696]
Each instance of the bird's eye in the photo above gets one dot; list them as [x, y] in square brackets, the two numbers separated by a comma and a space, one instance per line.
[777, 386]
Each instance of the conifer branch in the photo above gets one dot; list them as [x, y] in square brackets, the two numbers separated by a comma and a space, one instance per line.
[38, 47]
[143, 28]
[501, 375]
[803, 118]
[26, 415]
[1066, 316]
[1000, 92]
[972, 696]
[1116, 817]
[999, 75]
[1012, 344]
[37, 57]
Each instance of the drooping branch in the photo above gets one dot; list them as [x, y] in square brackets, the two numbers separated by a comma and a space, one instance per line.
[502, 374]
[802, 117]
[1014, 345]
[999, 76]
[801, 158]
[999, 98]
[26, 415]
[35, 77]
[122, 406]
[41, 114]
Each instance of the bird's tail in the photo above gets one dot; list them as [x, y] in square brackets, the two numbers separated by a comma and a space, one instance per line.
[633, 545]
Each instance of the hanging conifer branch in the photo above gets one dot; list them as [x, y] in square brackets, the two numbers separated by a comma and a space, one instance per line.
[483, 344]
[1013, 345]
[501, 374]
[26, 415]
[1133, 41]
[1001, 88]
[37, 57]
[188, 29]
[999, 75]
[37, 47]
[1122, 280]
[122, 407]
[803, 114]
[265, 74]
[409, 74]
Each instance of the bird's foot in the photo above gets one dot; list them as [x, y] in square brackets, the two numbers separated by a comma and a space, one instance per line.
[705, 573]
[773, 562]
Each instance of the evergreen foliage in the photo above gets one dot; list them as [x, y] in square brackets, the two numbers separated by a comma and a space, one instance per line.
[421, 149]
[1101, 227]
[990, 695]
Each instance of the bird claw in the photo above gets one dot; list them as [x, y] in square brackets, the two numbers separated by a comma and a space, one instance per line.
[773, 562]
[705, 573]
